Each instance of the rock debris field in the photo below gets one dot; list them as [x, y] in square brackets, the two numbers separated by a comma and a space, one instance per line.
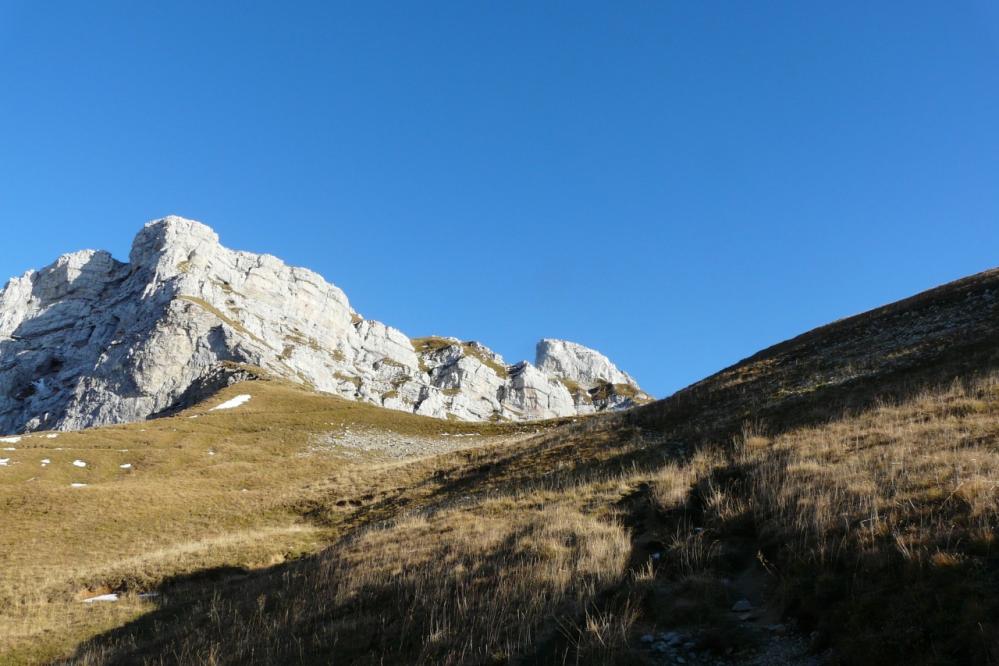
[356, 442]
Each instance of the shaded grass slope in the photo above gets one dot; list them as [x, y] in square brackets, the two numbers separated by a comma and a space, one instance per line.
[845, 480]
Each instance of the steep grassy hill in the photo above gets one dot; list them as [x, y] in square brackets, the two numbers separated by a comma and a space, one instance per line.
[842, 488]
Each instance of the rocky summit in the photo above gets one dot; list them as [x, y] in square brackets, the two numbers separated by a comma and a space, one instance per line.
[90, 340]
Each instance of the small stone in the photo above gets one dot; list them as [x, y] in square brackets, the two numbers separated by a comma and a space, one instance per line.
[647, 638]
[660, 647]
[742, 606]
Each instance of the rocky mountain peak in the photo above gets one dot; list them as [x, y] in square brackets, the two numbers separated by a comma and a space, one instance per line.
[572, 361]
[172, 245]
[89, 340]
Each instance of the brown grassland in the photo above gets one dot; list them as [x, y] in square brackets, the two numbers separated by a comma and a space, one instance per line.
[876, 529]
[845, 481]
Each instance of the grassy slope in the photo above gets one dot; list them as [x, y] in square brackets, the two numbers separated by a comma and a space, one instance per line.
[876, 529]
[854, 470]
[233, 488]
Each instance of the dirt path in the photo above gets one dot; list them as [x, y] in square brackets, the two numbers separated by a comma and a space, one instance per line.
[767, 640]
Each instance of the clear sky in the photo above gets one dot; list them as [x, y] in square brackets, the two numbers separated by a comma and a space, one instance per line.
[677, 184]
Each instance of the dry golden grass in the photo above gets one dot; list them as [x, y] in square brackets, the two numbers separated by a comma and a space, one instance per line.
[922, 476]
[225, 489]
[455, 587]
[880, 525]
[876, 528]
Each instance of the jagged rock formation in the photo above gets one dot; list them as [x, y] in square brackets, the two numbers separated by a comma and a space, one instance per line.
[90, 341]
[594, 382]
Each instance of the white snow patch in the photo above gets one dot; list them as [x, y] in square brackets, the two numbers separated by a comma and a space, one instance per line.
[10, 440]
[101, 597]
[51, 436]
[4, 461]
[79, 463]
[45, 461]
[126, 466]
[77, 485]
[9, 448]
[235, 402]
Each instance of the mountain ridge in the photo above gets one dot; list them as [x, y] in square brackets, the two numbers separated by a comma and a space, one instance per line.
[91, 340]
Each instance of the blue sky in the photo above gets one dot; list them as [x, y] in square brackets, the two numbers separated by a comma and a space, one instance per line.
[676, 184]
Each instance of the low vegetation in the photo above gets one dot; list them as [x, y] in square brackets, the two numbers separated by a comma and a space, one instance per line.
[605, 391]
[208, 307]
[871, 531]
[205, 492]
[431, 344]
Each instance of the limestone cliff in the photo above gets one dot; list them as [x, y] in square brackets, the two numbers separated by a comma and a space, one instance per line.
[89, 340]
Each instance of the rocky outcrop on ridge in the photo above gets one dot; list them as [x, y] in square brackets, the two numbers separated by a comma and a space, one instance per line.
[90, 340]
[595, 383]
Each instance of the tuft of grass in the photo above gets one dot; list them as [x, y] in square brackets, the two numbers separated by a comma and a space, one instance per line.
[353, 379]
[431, 344]
[606, 391]
[232, 323]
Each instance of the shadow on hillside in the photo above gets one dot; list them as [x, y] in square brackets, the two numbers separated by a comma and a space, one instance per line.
[300, 613]
[285, 614]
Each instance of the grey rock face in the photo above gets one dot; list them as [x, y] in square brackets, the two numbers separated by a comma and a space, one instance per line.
[582, 364]
[595, 383]
[91, 341]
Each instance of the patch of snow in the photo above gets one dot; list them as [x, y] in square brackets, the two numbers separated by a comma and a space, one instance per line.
[79, 463]
[101, 597]
[77, 485]
[51, 436]
[235, 402]
[4, 461]
[197, 415]
[9, 448]
[10, 440]
[126, 466]
[211, 453]
[45, 461]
